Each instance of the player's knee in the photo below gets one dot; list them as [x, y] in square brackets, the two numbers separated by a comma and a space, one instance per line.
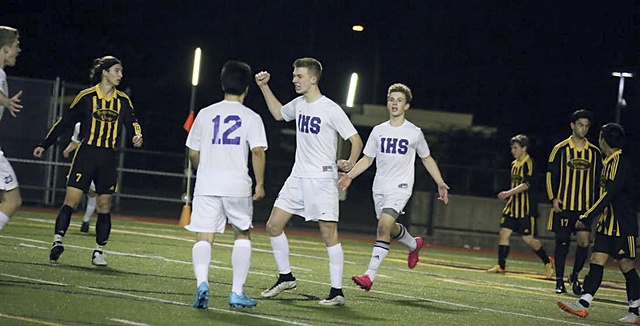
[273, 229]
[562, 246]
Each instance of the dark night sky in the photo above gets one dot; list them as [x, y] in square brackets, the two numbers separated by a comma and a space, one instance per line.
[522, 66]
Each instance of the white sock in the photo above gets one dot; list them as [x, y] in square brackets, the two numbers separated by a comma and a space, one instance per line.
[4, 219]
[91, 208]
[336, 263]
[587, 297]
[280, 247]
[406, 239]
[99, 248]
[380, 251]
[57, 237]
[240, 261]
[201, 255]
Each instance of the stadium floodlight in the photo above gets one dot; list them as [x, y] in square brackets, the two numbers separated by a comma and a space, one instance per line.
[621, 102]
[357, 28]
[196, 67]
[351, 94]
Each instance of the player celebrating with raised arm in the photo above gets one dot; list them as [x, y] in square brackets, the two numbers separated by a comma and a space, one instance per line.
[102, 110]
[10, 199]
[311, 190]
[219, 144]
[394, 144]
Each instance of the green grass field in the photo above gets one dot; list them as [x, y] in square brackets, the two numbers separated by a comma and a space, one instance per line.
[149, 281]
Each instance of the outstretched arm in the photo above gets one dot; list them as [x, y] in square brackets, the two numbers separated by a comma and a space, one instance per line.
[432, 167]
[262, 80]
[11, 103]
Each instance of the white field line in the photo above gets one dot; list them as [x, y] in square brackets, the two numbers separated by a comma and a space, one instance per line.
[455, 304]
[128, 322]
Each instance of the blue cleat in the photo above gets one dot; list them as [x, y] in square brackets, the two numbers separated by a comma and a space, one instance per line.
[201, 300]
[243, 301]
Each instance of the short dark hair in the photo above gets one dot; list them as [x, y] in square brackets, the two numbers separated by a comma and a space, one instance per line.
[613, 135]
[314, 66]
[8, 35]
[235, 77]
[581, 114]
[100, 64]
[521, 139]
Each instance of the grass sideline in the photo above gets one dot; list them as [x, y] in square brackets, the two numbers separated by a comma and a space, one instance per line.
[149, 281]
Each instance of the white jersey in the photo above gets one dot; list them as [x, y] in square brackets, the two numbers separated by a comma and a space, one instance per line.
[76, 133]
[224, 133]
[317, 127]
[4, 88]
[394, 149]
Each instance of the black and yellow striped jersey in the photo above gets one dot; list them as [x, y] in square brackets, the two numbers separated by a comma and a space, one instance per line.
[615, 206]
[101, 118]
[519, 205]
[572, 175]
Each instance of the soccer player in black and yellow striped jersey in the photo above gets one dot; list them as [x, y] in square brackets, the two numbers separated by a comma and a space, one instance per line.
[102, 111]
[573, 169]
[617, 227]
[516, 215]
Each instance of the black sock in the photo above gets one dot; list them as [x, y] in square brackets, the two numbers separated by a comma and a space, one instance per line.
[581, 258]
[503, 252]
[593, 280]
[63, 219]
[633, 288]
[286, 277]
[103, 228]
[543, 255]
[584, 303]
[334, 292]
[560, 254]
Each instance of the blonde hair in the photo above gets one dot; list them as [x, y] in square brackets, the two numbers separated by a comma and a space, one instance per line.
[401, 88]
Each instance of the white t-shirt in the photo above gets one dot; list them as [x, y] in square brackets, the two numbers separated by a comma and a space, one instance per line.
[224, 133]
[394, 149]
[317, 127]
[4, 88]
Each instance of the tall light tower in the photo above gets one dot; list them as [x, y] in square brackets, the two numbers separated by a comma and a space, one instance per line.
[621, 102]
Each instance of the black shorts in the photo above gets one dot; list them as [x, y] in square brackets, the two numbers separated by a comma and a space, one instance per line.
[520, 225]
[93, 163]
[565, 221]
[616, 247]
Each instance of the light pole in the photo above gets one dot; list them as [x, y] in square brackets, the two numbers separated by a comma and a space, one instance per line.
[185, 216]
[351, 93]
[621, 102]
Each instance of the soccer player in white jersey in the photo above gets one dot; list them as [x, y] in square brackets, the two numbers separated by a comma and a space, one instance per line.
[10, 199]
[394, 144]
[91, 195]
[219, 144]
[311, 190]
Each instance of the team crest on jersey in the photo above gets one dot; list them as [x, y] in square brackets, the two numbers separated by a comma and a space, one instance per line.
[105, 115]
[579, 164]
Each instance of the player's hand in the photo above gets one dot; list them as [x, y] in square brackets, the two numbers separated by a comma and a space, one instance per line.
[262, 78]
[65, 153]
[13, 104]
[259, 194]
[504, 195]
[557, 202]
[579, 225]
[443, 193]
[345, 165]
[344, 182]
[38, 151]
[137, 141]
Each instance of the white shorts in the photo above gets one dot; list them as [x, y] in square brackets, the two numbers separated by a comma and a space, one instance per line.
[8, 180]
[212, 213]
[395, 200]
[313, 199]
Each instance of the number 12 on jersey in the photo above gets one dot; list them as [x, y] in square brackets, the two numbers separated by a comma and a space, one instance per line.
[228, 126]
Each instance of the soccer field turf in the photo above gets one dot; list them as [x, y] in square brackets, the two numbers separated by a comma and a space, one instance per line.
[149, 281]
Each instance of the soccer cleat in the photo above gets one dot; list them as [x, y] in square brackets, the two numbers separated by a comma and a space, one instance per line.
[560, 289]
[97, 258]
[576, 287]
[241, 301]
[201, 300]
[56, 251]
[497, 270]
[574, 308]
[630, 318]
[412, 259]
[336, 300]
[281, 285]
[549, 270]
[363, 281]
[84, 227]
